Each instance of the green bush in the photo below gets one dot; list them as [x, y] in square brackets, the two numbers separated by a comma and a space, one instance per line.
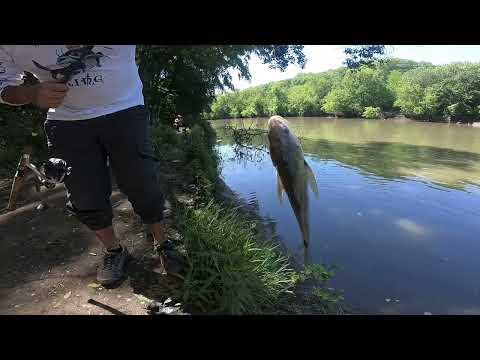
[371, 112]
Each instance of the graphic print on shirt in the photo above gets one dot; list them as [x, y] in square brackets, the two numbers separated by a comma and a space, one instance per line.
[76, 61]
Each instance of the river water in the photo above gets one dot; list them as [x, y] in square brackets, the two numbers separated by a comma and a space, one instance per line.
[398, 211]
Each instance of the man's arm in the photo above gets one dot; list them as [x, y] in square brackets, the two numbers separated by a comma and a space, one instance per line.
[11, 78]
[14, 92]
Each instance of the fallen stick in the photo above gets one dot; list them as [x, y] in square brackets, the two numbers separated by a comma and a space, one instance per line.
[105, 307]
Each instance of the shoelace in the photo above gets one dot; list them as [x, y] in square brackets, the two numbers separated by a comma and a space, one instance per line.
[109, 260]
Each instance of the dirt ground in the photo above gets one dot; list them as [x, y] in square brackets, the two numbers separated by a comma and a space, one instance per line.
[48, 261]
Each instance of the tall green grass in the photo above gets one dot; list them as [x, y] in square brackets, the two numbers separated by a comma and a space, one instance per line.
[231, 270]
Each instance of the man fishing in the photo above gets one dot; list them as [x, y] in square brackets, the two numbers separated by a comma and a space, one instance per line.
[95, 104]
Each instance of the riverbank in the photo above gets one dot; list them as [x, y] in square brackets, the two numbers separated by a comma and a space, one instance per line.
[48, 259]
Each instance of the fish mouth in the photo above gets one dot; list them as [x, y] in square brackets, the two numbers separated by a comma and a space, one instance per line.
[277, 127]
[277, 121]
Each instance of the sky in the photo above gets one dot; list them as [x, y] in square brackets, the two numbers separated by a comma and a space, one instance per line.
[324, 57]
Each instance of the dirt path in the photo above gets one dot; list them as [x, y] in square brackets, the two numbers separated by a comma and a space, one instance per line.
[48, 262]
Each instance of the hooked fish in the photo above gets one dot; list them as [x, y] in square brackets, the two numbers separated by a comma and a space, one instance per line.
[294, 176]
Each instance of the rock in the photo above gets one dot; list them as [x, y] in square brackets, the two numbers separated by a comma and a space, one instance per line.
[92, 253]
[67, 295]
[388, 300]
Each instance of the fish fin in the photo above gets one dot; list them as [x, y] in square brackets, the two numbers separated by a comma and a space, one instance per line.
[311, 179]
[280, 188]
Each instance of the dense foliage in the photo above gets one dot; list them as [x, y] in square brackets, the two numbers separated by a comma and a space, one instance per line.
[362, 55]
[417, 90]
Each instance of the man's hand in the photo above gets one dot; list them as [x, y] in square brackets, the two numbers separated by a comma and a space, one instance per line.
[44, 95]
[48, 94]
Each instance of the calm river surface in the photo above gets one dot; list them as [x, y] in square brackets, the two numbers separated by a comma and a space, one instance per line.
[398, 211]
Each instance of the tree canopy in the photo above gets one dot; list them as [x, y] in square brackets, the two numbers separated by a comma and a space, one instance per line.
[416, 89]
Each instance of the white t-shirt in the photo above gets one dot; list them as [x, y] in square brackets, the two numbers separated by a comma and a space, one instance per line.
[106, 79]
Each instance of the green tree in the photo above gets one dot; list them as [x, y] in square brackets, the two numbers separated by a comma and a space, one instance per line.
[357, 90]
[301, 99]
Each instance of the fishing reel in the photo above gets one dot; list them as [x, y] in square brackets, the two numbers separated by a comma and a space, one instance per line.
[52, 172]
[56, 170]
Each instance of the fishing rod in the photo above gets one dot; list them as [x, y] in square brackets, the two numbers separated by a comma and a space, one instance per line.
[54, 170]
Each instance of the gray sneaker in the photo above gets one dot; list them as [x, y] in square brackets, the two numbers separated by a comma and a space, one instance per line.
[112, 268]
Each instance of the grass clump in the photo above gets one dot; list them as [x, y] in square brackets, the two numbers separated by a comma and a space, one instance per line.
[231, 271]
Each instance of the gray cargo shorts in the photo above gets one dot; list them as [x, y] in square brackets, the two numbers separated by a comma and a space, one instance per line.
[125, 137]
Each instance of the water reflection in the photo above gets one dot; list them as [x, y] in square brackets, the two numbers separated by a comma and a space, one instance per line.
[412, 228]
[443, 155]
[446, 167]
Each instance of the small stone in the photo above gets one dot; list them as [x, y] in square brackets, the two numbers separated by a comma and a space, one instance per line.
[427, 313]
[33, 294]
[119, 296]
[17, 306]
[33, 227]
[388, 300]
[92, 253]
[128, 300]
[67, 295]
[397, 300]
[94, 285]
[169, 300]
[177, 304]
